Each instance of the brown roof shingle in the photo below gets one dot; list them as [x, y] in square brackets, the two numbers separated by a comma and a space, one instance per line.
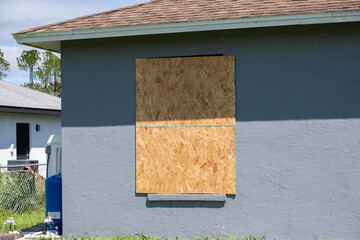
[173, 11]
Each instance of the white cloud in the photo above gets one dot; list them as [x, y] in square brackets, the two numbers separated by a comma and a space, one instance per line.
[16, 15]
[8, 27]
[60, 10]
[38, 9]
[13, 52]
[23, 14]
[10, 54]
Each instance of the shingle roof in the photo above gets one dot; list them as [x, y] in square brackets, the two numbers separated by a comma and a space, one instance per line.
[174, 11]
[12, 95]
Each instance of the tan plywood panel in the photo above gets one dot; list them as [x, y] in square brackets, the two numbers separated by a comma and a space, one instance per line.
[185, 91]
[185, 160]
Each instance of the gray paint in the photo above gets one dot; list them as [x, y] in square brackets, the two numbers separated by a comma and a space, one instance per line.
[297, 135]
[186, 197]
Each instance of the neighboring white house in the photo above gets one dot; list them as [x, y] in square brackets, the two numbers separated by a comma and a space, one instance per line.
[27, 119]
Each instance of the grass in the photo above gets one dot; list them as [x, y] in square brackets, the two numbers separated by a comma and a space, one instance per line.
[144, 237]
[136, 237]
[23, 220]
[21, 194]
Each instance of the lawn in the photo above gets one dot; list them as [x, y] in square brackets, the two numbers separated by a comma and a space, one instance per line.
[22, 196]
[23, 220]
[144, 237]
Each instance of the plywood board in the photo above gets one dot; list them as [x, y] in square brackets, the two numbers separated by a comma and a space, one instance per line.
[185, 160]
[185, 91]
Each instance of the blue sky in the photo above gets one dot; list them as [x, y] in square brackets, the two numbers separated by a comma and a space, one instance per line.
[16, 15]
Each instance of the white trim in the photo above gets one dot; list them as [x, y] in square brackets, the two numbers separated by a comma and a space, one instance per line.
[222, 24]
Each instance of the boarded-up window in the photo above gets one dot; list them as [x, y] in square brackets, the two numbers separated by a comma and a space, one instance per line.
[185, 125]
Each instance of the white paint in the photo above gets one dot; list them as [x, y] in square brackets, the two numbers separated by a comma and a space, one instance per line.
[48, 125]
[54, 215]
[51, 40]
[54, 163]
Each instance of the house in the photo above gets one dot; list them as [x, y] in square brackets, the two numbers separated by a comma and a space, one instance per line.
[27, 119]
[223, 117]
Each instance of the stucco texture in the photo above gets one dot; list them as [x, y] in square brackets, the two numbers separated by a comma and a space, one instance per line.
[297, 135]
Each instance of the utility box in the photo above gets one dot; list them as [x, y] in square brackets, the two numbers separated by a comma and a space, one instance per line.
[21, 164]
[53, 150]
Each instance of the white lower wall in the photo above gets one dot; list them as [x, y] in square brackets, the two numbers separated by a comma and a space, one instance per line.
[48, 125]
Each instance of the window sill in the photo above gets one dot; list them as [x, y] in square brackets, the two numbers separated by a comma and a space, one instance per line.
[186, 197]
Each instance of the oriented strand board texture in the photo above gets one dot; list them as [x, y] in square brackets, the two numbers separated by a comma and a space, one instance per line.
[185, 91]
[185, 160]
[185, 118]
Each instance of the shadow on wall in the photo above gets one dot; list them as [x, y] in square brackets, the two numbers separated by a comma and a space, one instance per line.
[184, 204]
[187, 204]
[313, 86]
[284, 73]
[268, 92]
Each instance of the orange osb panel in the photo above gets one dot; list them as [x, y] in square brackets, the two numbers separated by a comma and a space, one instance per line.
[185, 91]
[175, 160]
[185, 125]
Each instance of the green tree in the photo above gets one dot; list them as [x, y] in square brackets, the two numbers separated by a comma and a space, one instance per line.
[49, 74]
[27, 61]
[4, 66]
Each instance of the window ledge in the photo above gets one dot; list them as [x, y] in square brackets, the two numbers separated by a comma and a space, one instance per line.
[186, 197]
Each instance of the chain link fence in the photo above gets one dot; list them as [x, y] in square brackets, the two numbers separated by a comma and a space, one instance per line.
[22, 191]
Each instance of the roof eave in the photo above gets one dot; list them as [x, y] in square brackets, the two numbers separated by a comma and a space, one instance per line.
[40, 111]
[51, 40]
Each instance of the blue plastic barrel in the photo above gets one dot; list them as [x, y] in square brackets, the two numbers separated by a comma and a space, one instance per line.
[53, 199]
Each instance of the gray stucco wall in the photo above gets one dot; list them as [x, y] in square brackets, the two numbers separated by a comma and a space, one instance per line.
[297, 135]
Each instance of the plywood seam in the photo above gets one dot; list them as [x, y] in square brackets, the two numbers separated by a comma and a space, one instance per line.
[184, 126]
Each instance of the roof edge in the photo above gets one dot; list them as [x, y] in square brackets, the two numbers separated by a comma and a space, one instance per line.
[33, 39]
[82, 17]
[39, 111]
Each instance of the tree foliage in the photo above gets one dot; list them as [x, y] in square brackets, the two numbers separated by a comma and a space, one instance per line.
[49, 74]
[4, 66]
[27, 61]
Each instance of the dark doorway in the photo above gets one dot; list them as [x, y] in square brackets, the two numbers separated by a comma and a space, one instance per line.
[22, 141]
